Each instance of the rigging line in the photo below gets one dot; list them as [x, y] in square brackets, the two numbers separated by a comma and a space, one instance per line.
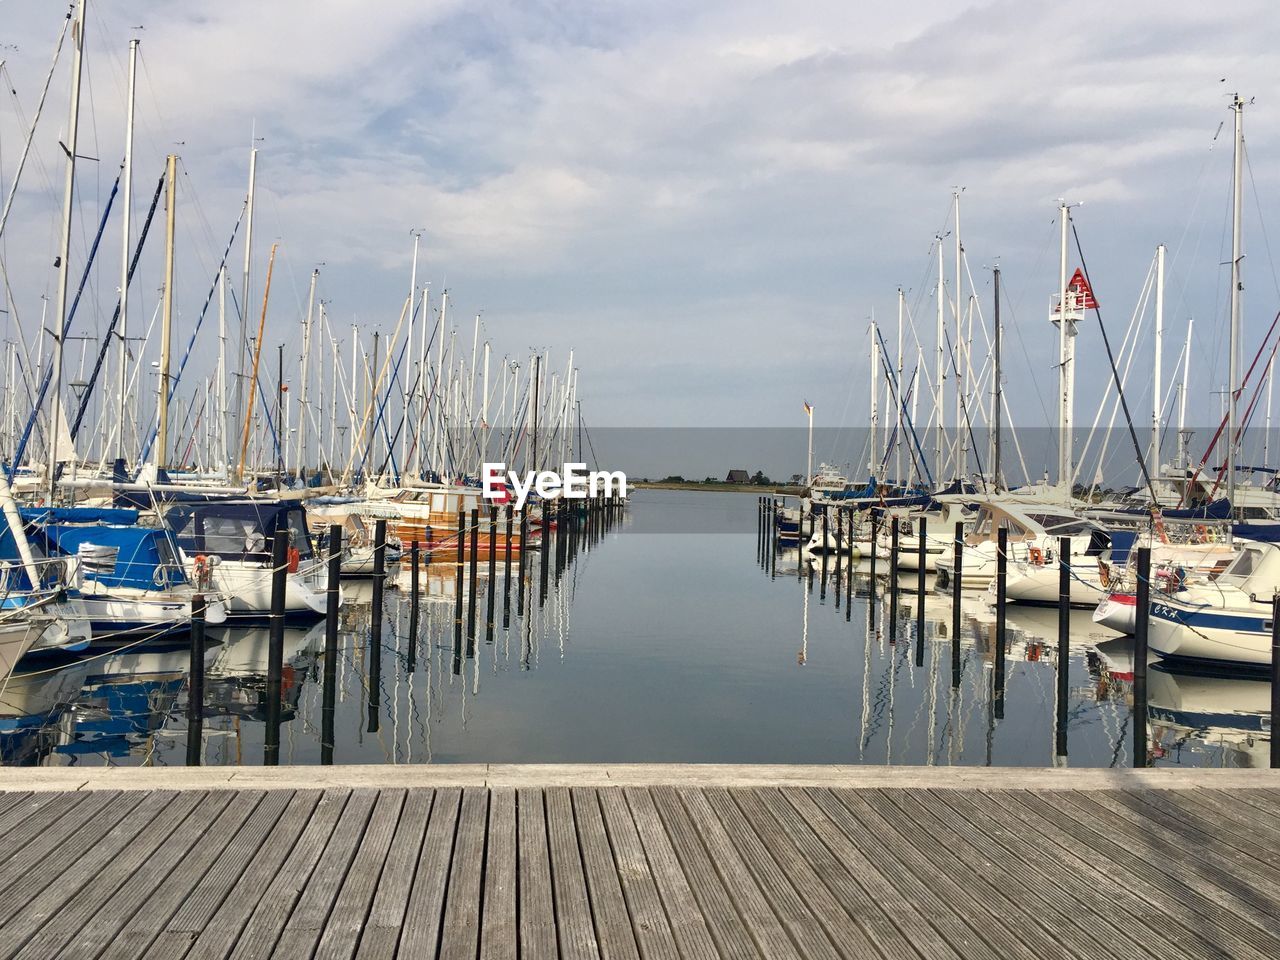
[1111, 359]
[964, 408]
[1266, 238]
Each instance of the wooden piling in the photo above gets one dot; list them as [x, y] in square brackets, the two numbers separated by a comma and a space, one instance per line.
[275, 641]
[374, 663]
[921, 552]
[195, 684]
[1002, 565]
[1064, 643]
[957, 592]
[414, 559]
[1142, 621]
[329, 693]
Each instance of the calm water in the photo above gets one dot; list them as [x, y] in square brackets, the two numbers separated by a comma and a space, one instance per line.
[653, 646]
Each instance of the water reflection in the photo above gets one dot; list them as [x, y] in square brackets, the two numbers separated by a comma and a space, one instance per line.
[646, 647]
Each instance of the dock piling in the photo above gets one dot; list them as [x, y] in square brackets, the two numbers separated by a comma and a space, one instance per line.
[1142, 615]
[1002, 572]
[493, 571]
[920, 575]
[275, 641]
[195, 685]
[1064, 642]
[1275, 680]
[474, 584]
[329, 694]
[506, 573]
[893, 579]
[457, 583]
[414, 556]
[957, 588]
[375, 622]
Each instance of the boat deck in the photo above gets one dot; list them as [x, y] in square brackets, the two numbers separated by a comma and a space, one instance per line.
[639, 862]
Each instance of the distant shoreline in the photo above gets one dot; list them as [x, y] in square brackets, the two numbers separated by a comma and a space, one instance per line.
[784, 489]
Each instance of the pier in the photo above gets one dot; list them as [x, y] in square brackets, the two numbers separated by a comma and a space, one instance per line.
[639, 862]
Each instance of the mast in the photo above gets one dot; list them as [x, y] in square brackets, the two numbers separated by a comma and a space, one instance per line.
[306, 359]
[1237, 195]
[124, 248]
[997, 399]
[223, 454]
[960, 356]
[244, 290]
[166, 322]
[1065, 319]
[897, 456]
[1184, 436]
[257, 355]
[939, 371]
[1157, 398]
[875, 411]
[64, 247]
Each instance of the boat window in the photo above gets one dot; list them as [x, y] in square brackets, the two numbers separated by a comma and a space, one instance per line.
[1245, 564]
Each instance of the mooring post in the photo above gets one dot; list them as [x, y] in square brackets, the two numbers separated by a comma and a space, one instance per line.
[474, 584]
[920, 575]
[1002, 560]
[275, 641]
[375, 624]
[1064, 641]
[414, 556]
[506, 573]
[839, 550]
[848, 573]
[1275, 681]
[329, 694]
[457, 579]
[825, 513]
[759, 528]
[524, 555]
[871, 583]
[493, 570]
[957, 571]
[195, 685]
[545, 553]
[773, 539]
[1141, 625]
[893, 579]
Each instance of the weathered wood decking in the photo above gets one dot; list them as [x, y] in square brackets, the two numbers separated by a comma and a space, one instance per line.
[639, 863]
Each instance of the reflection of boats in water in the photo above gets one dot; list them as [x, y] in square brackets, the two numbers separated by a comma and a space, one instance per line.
[35, 710]
[236, 680]
[1221, 710]
[126, 699]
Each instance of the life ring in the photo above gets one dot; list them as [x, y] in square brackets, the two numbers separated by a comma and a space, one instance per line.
[1037, 556]
[295, 558]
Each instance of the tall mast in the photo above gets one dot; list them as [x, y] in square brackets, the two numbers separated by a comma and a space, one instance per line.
[243, 350]
[223, 452]
[303, 397]
[939, 372]
[1183, 435]
[897, 413]
[409, 380]
[1157, 398]
[64, 247]
[166, 322]
[874, 465]
[124, 244]
[996, 399]
[1065, 319]
[441, 439]
[1237, 195]
[962, 446]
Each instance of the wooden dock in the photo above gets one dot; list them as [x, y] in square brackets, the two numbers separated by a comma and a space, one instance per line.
[639, 863]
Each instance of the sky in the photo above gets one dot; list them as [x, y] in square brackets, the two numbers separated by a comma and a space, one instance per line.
[706, 202]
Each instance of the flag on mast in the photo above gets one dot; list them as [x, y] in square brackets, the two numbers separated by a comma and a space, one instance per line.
[808, 408]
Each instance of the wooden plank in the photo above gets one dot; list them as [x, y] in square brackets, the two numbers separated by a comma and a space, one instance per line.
[1248, 846]
[54, 819]
[498, 936]
[60, 859]
[739, 854]
[723, 921]
[629, 915]
[127, 900]
[420, 936]
[1074, 866]
[677, 899]
[536, 908]
[1152, 839]
[270, 883]
[752, 905]
[890, 922]
[268, 827]
[460, 937]
[355, 898]
[917, 912]
[309, 913]
[569, 883]
[836, 919]
[9, 803]
[382, 928]
[1250, 805]
[1042, 900]
[1086, 831]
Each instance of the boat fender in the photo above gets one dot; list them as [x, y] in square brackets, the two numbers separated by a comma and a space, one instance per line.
[295, 558]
